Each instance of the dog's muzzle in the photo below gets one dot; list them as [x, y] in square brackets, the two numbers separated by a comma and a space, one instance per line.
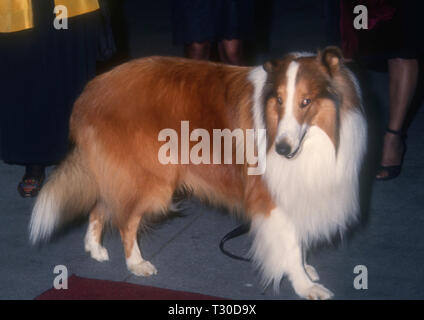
[284, 149]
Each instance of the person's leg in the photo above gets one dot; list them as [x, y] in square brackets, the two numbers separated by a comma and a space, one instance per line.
[403, 75]
[198, 50]
[231, 51]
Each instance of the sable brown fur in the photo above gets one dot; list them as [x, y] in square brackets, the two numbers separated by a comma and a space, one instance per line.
[115, 125]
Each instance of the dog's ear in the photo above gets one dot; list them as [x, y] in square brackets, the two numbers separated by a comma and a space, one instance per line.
[332, 59]
[270, 66]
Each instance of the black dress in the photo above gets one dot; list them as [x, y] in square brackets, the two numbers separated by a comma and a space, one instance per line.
[211, 20]
[43, 70]
[399, 37]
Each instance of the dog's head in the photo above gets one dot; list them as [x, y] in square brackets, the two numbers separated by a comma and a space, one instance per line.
[299, 93]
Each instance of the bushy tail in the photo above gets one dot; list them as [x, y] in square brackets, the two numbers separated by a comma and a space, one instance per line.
[69, 192]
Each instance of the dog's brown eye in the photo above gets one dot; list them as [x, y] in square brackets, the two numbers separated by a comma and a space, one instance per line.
[305, 103]
[279, 100]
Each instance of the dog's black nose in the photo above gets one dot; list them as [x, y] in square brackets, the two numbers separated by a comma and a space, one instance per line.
[283, 148]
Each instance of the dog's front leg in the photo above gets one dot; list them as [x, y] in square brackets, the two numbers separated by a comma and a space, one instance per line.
[277, 251]
[310, 270]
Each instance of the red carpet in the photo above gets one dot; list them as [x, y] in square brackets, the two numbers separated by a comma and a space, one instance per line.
[92, 289]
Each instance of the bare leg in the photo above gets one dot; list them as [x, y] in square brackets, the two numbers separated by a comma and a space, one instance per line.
[93, 237]
[403, 75]
[231, 51]
[198, 50]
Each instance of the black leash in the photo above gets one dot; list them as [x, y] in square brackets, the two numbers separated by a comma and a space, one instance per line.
[240, 230]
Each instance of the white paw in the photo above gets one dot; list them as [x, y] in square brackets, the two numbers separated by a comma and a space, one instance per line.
[312, 273]
[315, 292]
[97, 252]
[144, 268]
[100, 254]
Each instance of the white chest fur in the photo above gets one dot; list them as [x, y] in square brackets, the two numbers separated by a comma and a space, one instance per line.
[318, 190]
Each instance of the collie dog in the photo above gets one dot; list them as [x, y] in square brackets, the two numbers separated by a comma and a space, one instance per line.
[310, 107]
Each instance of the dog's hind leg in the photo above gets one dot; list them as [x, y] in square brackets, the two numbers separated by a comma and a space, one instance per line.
[277, 251]
[93, 237]
[135, 262]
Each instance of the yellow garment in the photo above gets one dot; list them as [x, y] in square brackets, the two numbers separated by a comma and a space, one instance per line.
[78, 7]
[16, 15]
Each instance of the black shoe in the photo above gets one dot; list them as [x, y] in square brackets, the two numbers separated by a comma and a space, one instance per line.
[393, 171]
[32, 181]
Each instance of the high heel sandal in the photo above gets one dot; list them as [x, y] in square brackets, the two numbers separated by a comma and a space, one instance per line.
[395, 170]
[29, 187]
[32, 181]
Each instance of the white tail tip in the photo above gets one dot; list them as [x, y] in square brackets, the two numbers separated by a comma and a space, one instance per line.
[44, 218]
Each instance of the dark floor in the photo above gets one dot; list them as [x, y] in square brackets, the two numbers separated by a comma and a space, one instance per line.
[389, 241]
